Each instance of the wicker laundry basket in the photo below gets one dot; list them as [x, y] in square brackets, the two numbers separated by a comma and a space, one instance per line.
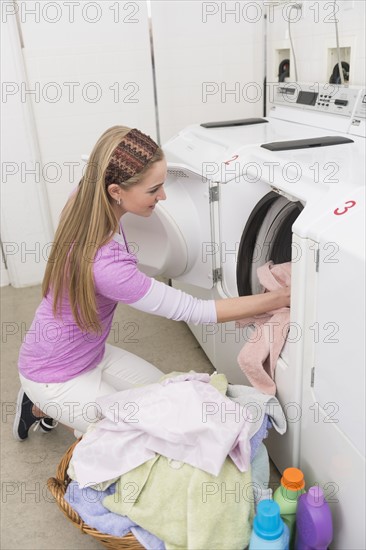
[58, 485]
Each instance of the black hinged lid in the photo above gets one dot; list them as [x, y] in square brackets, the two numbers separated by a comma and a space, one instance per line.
[238, 122]
[305, 143]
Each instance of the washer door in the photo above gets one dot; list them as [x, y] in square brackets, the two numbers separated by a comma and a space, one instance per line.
[266, 236]
[171, 241]
[157, 243]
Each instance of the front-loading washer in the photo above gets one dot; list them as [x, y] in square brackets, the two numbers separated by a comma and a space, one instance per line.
[256, 199]
[326, 399]
[215, 181]
[329, 237]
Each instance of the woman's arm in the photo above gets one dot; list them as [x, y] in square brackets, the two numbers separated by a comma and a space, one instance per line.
[234, 309]
[117, 277]
[174, 304]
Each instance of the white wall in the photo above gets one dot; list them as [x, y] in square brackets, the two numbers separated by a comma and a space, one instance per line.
[25, 223]
[4, 275]
[195, 50]
[313, 33]
[90, 68]
[209, 62]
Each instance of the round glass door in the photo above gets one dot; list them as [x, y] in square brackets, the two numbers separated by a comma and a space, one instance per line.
[266, 236]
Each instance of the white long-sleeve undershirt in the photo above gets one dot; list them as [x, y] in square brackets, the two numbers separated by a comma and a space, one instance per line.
[175, 304]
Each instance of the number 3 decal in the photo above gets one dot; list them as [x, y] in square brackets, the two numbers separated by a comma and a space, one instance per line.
[347, 206]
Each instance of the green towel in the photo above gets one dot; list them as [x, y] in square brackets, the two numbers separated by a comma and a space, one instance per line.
[187, 507]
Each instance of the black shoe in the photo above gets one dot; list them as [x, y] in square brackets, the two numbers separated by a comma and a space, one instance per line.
[46, 424]
[24, 418]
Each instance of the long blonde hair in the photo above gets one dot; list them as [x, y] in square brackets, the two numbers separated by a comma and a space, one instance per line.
[87, 222]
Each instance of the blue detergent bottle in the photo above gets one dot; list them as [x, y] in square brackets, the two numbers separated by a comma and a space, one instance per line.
[269, 530]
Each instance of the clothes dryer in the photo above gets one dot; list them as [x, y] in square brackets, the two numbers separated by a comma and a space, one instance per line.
[217, 186]
[297, 195]
[329, 236]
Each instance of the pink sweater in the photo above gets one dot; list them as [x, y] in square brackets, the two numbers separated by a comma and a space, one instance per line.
[56, 349]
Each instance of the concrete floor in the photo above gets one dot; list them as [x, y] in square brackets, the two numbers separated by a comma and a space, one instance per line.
[30, 519]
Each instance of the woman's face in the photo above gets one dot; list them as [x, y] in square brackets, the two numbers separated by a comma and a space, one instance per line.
[142, 198]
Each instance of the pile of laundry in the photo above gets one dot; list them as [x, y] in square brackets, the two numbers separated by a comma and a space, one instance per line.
[179, 463]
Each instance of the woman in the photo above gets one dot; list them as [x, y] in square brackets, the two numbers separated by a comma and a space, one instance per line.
[64, 362]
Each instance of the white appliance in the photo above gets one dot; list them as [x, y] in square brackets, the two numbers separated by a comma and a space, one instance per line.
[213, 187]
[232, 205]
[332, 434]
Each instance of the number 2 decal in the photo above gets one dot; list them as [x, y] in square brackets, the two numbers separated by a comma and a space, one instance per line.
[347, 206]
[231, 160]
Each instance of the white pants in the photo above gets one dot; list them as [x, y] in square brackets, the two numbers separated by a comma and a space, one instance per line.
[73, 402]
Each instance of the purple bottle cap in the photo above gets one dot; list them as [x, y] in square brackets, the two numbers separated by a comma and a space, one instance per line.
[315, 496]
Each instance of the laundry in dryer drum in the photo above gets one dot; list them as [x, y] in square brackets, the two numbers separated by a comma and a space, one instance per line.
[258, 357]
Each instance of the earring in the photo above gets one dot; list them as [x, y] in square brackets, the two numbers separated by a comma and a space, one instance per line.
[118, 202]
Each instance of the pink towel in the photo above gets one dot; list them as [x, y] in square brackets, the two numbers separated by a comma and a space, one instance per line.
[259, 355]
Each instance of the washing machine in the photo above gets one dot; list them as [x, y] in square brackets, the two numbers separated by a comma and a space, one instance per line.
[217, 189]
[329, 263]
[289, 189]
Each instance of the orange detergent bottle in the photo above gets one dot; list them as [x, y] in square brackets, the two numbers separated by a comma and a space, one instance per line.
[287, 494]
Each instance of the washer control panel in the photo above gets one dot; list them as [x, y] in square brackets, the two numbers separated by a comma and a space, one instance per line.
[360, 111]
[324, 98]
[358, 120]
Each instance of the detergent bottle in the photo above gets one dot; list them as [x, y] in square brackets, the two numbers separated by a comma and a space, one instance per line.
[269, 531]
[287, 494]
[314, 527]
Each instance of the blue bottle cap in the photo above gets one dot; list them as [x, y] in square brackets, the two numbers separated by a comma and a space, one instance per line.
[268, 523]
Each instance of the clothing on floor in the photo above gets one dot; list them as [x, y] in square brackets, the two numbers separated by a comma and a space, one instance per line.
[258, 404]
[260, 353]
[265, 410]
[259, 436]
[144, 493]
[218, 381]
[187, 507]
[156, 419]
[88, 503]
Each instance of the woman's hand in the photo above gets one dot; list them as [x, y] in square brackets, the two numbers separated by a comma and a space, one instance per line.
[234, 309]
[286, 292]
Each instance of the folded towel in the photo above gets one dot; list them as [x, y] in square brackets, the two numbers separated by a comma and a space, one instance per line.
[187, 507]
[259, 355]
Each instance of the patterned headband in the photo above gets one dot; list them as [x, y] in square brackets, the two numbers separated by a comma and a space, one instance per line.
[130, 157]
